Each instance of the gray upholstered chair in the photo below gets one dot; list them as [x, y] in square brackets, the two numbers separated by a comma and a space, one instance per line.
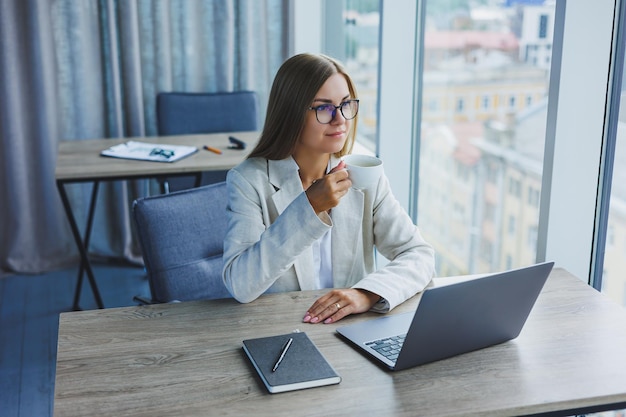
[190, 113]
[181, 236]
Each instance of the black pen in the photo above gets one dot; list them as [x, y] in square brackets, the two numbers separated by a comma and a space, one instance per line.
[282, 354]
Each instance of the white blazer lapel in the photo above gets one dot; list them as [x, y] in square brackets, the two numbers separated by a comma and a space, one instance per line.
[283, 175]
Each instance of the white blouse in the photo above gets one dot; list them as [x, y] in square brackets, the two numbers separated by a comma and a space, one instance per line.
[322, 258]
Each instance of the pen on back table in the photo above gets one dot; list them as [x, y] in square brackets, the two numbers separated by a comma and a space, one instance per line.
[282, 354]
[212, 149]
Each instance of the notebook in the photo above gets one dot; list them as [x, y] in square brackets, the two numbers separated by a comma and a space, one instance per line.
[452, 319]
[285, 365]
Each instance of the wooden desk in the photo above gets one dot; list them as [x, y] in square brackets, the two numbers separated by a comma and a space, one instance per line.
[80, 161]
[186, 359]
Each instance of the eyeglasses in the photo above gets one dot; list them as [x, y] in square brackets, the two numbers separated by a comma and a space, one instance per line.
[326, 113]
[165, 153]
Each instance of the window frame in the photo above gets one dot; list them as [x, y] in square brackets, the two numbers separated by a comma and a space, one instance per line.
[567, 229]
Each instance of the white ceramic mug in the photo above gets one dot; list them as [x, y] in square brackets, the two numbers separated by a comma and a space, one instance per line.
[363, 170]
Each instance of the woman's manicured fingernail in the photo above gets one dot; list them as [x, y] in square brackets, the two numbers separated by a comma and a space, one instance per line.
[306, 318]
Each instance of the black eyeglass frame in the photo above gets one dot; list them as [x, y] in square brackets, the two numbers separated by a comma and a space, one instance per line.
[340, 107]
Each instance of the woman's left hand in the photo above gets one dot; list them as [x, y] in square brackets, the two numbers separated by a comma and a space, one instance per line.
[339, 303]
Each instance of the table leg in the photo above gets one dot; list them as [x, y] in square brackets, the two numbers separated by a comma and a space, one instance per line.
[84, 262]
[88, 228]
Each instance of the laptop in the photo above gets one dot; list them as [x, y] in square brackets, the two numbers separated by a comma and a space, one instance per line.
[452, 319]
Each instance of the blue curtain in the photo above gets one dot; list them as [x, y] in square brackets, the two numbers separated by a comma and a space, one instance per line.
[87, 69]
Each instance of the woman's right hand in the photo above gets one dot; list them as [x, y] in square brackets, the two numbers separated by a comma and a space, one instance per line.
[326, 192]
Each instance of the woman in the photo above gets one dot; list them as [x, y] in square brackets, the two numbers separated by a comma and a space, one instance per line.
[294, 221]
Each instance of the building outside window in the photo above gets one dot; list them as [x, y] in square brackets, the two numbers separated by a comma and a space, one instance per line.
[486, 51]
[472, 55]
[473, 52]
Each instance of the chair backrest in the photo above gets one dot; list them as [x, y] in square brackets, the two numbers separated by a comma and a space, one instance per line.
[189, 113]
[181, 236]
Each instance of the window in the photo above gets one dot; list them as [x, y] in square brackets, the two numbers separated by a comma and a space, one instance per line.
[486, 102]
[498, 138]
[515, 187]
[509, 262]
[459, 133]
[460, 105]
[533, 197]
[512, 229]
[543, 26]
[613, 279]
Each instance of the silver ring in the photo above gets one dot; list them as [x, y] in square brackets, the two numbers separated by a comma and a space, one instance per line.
[338, 306]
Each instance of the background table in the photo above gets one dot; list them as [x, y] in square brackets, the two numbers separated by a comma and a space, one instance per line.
[80, 161]
[186, 359]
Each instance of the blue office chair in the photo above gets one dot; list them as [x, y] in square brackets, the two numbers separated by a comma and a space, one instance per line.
[181, 236]
[190, 113]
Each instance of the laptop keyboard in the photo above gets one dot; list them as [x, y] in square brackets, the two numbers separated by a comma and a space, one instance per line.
[389, 347]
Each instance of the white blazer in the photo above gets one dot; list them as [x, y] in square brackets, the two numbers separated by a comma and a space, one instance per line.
[272, 226]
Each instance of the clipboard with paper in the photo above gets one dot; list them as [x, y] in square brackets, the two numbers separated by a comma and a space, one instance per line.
[149, 151]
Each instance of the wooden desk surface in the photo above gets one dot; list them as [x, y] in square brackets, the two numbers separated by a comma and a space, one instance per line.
[80, 160]
[186, 359]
